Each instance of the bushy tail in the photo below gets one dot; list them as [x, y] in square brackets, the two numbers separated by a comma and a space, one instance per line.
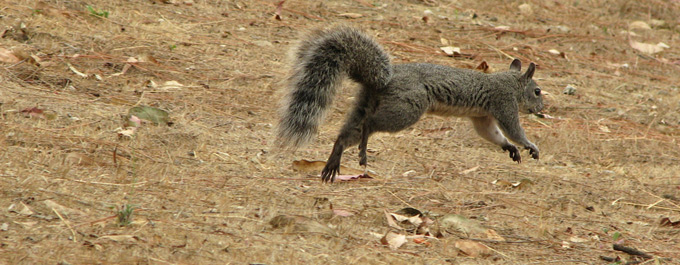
[320, 62]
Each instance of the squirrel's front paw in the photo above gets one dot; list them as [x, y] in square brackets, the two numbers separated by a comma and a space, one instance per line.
[533, 151]
[514, 152]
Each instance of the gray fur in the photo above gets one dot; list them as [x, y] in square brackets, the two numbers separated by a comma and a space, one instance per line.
[394, 97]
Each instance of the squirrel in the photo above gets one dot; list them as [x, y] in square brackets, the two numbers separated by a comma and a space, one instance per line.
[393, 97]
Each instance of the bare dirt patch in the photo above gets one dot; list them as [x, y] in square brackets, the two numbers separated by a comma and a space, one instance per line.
[209, 188]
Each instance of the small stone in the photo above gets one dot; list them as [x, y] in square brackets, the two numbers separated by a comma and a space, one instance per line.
[526, 9]
[569, 90]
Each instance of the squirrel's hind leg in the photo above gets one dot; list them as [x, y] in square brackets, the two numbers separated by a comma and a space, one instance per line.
[363, 145]
[350, 135]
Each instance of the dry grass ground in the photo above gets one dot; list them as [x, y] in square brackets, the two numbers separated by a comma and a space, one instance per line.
[205, 188]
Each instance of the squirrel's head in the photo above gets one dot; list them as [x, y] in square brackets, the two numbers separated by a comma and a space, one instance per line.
[531, 100]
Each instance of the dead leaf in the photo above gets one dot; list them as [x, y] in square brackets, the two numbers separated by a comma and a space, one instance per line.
[493, 235]
[75, 71]
[171, 85]
[667, 222]
[444, 41]
[473, 249]
[7, 56]
[451, 51]
[523, 184]
[27, 225]
[604, 128]
[558, 53]
[352, 177]
[63, 210]
[393, 239]
[350, 15]
[408, 173]
[647, 47]
[127, 132]
[279, 7]
[566, 244]
[121, 238]
[391, 222]
[656, 23]
[468, 170]
[502, 183]
[343, 213]
[409, 215]
[422, 240]
[34, 112]
[23, 211]
[639, 25]
[483, 67]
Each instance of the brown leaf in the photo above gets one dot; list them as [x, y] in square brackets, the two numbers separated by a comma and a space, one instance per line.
[33, 112]
[7, 56]
[503, 183]
[483, 67]
[409, 215]
[393, 239]
[422, 240]
[279, 7]
[352, 177]
[667, 222]
[473, 248]
[391, 221]
[493, 235]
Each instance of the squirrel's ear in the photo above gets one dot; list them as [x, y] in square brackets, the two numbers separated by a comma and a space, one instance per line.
[530, 72]
[516, 65]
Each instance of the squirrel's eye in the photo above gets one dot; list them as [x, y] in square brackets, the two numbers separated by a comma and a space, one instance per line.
[537, 91]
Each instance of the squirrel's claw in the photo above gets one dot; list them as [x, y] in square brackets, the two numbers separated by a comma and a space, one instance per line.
[514, 153]
[533, 151]
[329, 172]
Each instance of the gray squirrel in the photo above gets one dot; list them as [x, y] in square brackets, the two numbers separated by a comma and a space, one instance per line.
[394, 96]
